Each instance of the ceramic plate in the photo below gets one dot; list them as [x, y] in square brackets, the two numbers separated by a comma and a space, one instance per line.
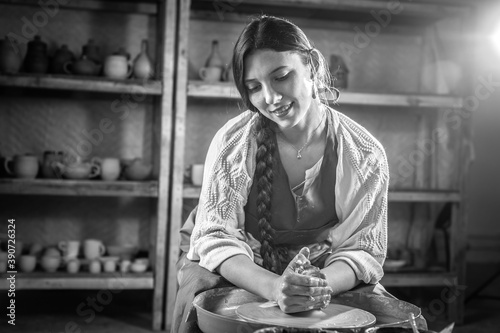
[333, 316]
[394, 264]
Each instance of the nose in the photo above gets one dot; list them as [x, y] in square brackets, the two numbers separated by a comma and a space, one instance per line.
[271, 96]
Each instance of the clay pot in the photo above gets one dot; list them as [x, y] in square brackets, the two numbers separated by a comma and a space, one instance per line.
[82, 170]
[137, 170]
[82, 66]
[60, 58]
[50, 263]
[10, 60]
[48, 170]
[37, 60]
[117, 67]
[91, 50]
[143, 67]
[22, 166]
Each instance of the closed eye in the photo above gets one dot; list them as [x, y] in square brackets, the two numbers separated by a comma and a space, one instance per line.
[253, 89]
[282, 78]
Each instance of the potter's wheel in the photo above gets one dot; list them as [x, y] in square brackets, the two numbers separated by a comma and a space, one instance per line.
[333, 316]
[216, 309]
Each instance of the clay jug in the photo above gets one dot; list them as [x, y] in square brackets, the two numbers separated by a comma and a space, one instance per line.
[214, 59]
[91, 50]
[117, 67]
[62, 56]
[22, 166]
[37, 60]
[10, 60]
[143, 67]
[137, 170]
[49, 157]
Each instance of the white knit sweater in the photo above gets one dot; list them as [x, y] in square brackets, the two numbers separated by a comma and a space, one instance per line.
[360, 237]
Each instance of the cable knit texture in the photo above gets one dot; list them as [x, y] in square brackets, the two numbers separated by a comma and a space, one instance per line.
[359, 239]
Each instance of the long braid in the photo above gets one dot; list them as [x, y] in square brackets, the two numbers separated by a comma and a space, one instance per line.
[264, 177]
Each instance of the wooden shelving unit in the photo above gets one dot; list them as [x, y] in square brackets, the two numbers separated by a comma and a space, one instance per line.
[79, 83]
[62, 280]
[419, 279]
[160, 89]
[227, 90]
[329, 15]
[78, 187]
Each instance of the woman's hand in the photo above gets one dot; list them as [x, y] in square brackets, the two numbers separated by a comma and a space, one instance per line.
[301, 288]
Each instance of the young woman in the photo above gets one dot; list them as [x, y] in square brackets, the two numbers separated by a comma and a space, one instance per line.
[290, 182]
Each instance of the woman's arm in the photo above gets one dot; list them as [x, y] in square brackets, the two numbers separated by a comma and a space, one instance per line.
[340, 277]
[292, 291]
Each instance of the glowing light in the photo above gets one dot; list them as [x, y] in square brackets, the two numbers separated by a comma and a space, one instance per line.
[495, 37]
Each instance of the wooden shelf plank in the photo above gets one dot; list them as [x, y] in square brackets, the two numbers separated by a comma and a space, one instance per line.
[62, 280]
[81, 83]
[142, 7]
[424, 196]
[418, 279]
[227, 90]
[66, 187]
[193, 192]
[340, 8]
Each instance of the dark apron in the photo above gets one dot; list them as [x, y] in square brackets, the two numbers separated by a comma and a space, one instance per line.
[304, 218]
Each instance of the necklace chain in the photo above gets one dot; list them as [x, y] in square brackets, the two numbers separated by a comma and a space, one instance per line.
[299, 155]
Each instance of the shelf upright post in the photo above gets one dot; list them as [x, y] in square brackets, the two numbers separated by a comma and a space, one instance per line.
[165, 70]
[180, 108]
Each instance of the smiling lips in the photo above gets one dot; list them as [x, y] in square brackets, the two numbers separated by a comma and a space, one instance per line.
[282, 110]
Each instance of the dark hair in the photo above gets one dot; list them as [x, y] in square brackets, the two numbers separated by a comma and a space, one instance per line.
[280, 35]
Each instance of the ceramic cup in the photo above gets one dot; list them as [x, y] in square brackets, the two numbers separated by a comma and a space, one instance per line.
[19, 250]
[110, 168]
[117, 67]
[109, 266]
[197, 174]
[69, 249]
[210, 74]
[3, 262]
[22, 166]
[93, 248]
[27, 263]
[95, 266]
[125, 266]
[73, 266]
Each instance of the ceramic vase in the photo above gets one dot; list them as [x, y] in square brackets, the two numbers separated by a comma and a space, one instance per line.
[62, 56]
[37, 60]
[143, 67]
[214, 59]
[10, 60]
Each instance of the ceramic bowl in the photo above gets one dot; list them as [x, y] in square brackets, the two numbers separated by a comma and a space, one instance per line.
[394, 330]
[27, 263]
[50, 263]
[139, 266]
[290, 330]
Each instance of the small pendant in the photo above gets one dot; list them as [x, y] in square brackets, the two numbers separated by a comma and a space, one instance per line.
[298, 155]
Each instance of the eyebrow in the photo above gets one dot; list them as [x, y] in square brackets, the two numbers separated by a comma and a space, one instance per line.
[274, 71]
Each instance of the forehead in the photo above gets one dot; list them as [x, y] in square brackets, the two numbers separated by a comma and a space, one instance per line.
[262, 62]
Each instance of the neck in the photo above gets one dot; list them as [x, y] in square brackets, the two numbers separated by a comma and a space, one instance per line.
[307, 128]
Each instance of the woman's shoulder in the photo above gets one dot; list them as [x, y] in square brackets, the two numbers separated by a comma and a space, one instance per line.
[237, 127]
[358, 141]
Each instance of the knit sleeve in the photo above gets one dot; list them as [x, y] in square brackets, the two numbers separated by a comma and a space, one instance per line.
[217, 234]
[360, 238]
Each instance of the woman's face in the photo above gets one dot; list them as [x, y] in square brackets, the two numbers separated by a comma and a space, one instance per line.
[279, 85]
